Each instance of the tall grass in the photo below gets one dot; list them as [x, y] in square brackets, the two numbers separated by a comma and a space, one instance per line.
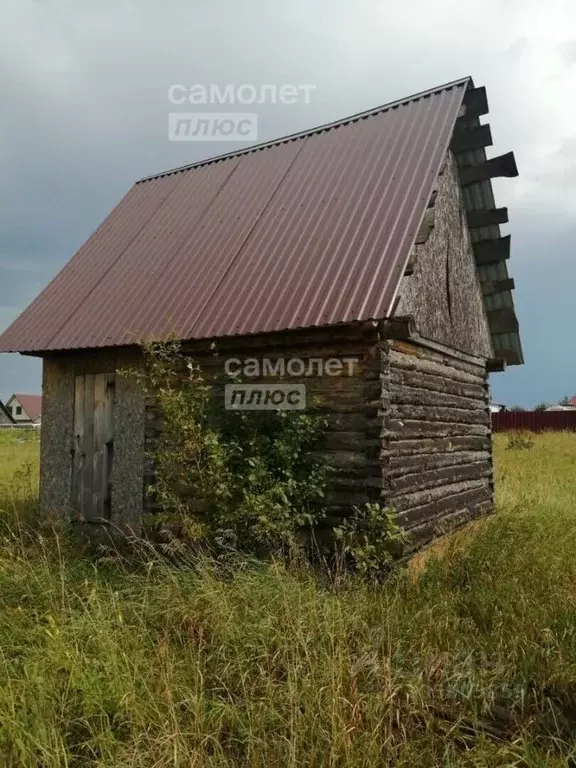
[467, 660]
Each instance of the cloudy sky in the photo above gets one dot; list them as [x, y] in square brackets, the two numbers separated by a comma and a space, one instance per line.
[85, 112]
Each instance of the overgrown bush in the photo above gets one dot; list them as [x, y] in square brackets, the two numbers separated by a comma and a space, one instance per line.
[251, 478]
[520, 441]
[372, 539]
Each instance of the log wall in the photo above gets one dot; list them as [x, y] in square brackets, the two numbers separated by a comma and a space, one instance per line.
[410, 426]
[437, 451]
[351, 404]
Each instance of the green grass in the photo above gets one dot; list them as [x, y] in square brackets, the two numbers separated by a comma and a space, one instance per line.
[469, 660]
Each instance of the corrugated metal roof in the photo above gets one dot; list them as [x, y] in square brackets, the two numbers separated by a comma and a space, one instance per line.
[309, 230]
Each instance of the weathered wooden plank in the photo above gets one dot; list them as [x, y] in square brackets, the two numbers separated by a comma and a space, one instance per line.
[502, 320]
[431, 382]
[409, 396]
[108, 444]
[455, 416]
[352, 335]
[401, 465]
[432, 478]
[401, 447]
[402, 428]
[487, 217]
[492, 251]
[466, 139]
[98, 456]
[336, 440]
[489, 287]
[424, 347]
[355, 422]
[440, 526]
[345, 459]
[416, 508]
[88, 449]
[77, 493]
[437, 353]
[503, 165]
[109, 407]
[475, 102]
[474, 375]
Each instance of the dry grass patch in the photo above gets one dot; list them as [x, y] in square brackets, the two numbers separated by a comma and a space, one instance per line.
[472, 663]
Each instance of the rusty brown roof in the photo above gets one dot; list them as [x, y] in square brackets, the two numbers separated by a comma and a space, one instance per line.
[309, 230]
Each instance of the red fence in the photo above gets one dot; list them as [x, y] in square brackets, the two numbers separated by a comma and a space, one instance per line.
[534, 421]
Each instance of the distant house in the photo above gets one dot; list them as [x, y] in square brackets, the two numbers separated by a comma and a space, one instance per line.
[25, 409]
[374, 239]
[566, 405]
[562, 407]
[5, 418]
[497, 407]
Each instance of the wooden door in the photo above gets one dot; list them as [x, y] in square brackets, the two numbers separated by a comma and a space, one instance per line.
[93, 452]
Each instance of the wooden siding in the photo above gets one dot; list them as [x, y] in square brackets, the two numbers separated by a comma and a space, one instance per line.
[442, 292]
[437, 454]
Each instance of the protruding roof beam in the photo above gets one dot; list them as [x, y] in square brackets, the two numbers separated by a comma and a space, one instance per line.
[486, 218]
[489, 287]
[491, 251]
[510, 356]
[503, 165]
[495, 364]
[466, 139]
[476, 102]
[502, 320]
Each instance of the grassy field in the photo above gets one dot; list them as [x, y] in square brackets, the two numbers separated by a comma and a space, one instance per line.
[467, 660]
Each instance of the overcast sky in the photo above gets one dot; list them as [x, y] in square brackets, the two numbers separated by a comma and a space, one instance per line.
[85, 112]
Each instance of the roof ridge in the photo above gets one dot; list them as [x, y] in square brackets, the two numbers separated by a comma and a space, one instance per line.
[311, 131]
[24, 394]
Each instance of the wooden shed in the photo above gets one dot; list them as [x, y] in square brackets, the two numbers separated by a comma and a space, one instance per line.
[373, 240]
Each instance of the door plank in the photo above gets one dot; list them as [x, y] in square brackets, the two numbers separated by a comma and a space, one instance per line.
[88, 449]
[98, 491]
[108, 444]
[78, 447]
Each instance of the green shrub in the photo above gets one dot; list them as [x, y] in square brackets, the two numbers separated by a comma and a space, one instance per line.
[372, 539]
[250, 477]
[520, 441]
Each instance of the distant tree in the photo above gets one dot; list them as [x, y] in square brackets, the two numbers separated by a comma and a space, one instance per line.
[566, 400]
[541, 407]
[516, 408]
